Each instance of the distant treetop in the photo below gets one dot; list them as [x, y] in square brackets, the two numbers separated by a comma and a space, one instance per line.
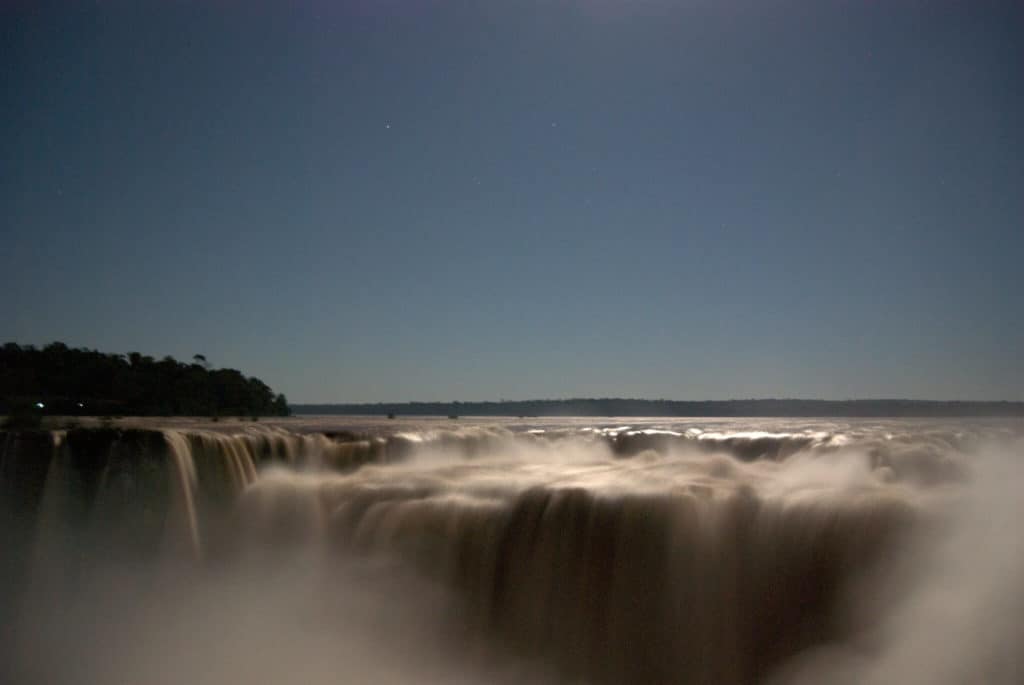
[615, 406]
[57, 379]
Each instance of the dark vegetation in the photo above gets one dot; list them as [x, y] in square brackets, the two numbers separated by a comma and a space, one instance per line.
[59, 380]
[628, 407]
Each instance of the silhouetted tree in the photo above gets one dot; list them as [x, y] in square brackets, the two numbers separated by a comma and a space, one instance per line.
[81, 381]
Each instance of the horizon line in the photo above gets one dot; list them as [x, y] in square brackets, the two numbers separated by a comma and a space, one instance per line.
[665, 400]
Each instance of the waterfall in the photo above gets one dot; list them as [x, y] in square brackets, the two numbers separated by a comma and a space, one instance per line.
[623, 554]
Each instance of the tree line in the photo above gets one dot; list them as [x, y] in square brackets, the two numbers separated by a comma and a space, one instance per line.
[641, 407]
[57, 379]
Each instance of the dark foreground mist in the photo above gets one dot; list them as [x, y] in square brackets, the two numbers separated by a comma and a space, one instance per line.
[699, 551]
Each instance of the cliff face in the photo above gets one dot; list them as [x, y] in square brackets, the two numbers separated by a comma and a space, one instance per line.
[65, 495]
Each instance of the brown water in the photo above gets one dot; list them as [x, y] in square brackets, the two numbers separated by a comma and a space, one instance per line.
[490, 550]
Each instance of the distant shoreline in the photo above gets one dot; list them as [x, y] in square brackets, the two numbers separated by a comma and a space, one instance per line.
[880, 408]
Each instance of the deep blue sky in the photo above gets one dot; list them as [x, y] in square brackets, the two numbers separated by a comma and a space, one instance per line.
[384, 200]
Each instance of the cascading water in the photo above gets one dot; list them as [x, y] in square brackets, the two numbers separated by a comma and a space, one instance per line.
[659, 552]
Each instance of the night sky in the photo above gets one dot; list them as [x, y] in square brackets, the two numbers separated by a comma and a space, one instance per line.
[384, 200]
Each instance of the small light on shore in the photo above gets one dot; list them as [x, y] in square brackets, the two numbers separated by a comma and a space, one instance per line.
[40, 405]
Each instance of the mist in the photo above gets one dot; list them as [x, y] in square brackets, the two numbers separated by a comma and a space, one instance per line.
[714, 551]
